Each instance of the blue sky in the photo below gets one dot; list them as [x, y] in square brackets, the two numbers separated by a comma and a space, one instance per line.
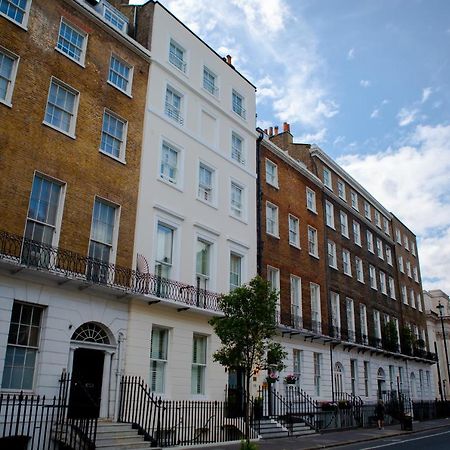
[366, 80]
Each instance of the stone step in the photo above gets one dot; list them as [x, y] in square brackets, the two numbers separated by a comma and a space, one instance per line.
[122, 445]
[110, 434]
[303, 432]
[113, 426]
[275, 434]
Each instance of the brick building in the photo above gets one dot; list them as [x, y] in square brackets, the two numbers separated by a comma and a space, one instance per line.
[370, 342]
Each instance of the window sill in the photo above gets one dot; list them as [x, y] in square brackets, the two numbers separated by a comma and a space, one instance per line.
[314, 211]
[276, 236]
[6, 103]
[275, 186]
[80, 63]
[239, 219]
[184, 72]
[71, 135]
[314, 256]
[361, 281]
[334, 267]
[348, 274]
[346, 236]
[127, 93]
[169, 183]
[297, 246]
[205, 202]
[115, 158]
[244, 118]
[331, 226]
[358, 244]
[214, 96]
[20, 25]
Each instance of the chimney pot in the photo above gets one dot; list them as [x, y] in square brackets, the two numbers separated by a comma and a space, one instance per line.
[286, 127]
[229, 59]
[276, 130]
[270, 131]
[265, 130]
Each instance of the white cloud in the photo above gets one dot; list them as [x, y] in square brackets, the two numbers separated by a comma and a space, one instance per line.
[351, 54]
[375, 113]
[365, 83]
[339, 140]
[413, 181]
[312, 138]
[406, 116]
[426, 92]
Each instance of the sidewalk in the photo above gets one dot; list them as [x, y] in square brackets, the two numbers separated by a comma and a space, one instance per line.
[332, 439]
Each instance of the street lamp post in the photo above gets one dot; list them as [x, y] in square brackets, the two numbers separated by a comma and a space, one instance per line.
[440, 307]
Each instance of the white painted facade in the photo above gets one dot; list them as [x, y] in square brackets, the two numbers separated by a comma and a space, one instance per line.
[195, 131]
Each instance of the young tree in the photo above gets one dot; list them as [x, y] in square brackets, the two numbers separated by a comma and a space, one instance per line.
[246, 331]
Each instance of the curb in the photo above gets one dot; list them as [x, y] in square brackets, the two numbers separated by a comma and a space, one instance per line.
[357, 441]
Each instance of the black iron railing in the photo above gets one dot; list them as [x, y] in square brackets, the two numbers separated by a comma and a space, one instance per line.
[39, 422]
[167, 423]
[27, 253]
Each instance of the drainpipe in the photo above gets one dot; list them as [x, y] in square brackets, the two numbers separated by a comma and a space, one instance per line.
[120, 339]
[439, 372]
[259, 241]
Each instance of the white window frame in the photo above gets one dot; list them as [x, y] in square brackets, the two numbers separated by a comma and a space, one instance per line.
[205, 280]
[408, 269]
[327, 180]
[123, 141]
[392, 288]
[406, 242]
[357, 233]
[367, 210]
[315, 300]
[26, 15]
[350, 315]
[419, 302]
[238, 213]
[240, 275]
[377, 217]
[116, 17]
[346, 262]
[404, 295]
[272, 222]
[383, 286]
[380, 249]
[373, 277]
[297, 365]
[359, 267]
[81, 32]
[295, 284]
[294, 230]
[329, 214]
[73, 114]
[160, 362]
[171, 181]
[174, 59]
[413, 248]
[129, 88]
[415, 274]
[170, 110]
[398, 236]
[238, 109]
[200, 366]
[354, 200]
[363, 323]
[400, 264]
[332, 258]
[388, 251]
[172, 266]
[369, 237]
[203, 189]
[311, 200]
[335, 313]
[12, 77]
[377, 323]
[211, 88]
[343, 218]
[412, 298]
[386, 226]
[271, 179]
[239, 155]
[341, 190]
[317, 363]
[313, 245]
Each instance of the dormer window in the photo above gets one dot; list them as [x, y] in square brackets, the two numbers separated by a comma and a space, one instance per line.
[114, 17]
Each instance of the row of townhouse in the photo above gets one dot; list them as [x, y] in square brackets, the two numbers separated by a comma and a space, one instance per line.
[130, 177]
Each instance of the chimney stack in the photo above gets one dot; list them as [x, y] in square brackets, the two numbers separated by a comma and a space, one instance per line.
[286, 127]
[229, 60]
[276, 130]
[270, 131]
[265, 131]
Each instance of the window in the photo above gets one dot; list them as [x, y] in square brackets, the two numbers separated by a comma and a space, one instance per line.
[238, 104]
[329, 214]
[311, 200]
[359, 269]
[210, 81]
[383, 286]
[332, 260]
[335, 315]
[271, 219]
[205, 183]
[377, 218]
[413, 248]
[237, 194]
[369, 236]
[341, 190]
[366, 378]
[271, 173]
[398, 332]
[42, 219]
[115, 17]
[114, 132]
[377, 324]
[317, 370]
[164, 250]
[398, 236]
[372, 277]
[344, 224]
[380, 249]
[416, 274]
[273, 277]
[22, 347]
[357, 233]
[102, 234]
[62, 105]
[404, 295]
[408, 269]
[177, 56]
[198, 375]
[235, 271]
[389, 255]
[400, 264]
[158, 359]
[346, 262]
[16, 10]
[173, 105]
[363, 320]
[350, 319]
[316, 315]
[296, 301]
[8, 70]
[72, 42]
[294, 231]
[203, 263]
[312, 242]
[120, 74]
[354, 200]
[412, 298]
[169, 163]
[386, 226]
[297, 363]
[392, 288]
[327, 178]
[367, 212]
[237, 152]
[406, 242]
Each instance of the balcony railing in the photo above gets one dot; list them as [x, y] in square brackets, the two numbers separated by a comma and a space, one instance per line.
[27, 253]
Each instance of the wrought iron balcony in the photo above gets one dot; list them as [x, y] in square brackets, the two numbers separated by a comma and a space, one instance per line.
[27, 253]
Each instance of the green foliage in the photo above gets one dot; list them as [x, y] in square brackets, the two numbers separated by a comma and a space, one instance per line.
[247, 328]
[246, 445]
[407, 339]
[390, 336]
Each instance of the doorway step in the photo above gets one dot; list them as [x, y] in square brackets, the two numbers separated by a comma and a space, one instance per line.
[119, 436]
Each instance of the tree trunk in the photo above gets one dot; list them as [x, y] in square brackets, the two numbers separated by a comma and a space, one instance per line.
[247, 408]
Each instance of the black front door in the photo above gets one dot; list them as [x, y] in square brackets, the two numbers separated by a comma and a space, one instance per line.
[86, 384]
[235, 394]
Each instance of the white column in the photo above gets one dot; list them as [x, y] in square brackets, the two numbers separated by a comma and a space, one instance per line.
[104, 410]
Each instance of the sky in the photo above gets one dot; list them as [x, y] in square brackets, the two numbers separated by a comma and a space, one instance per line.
[368, 81]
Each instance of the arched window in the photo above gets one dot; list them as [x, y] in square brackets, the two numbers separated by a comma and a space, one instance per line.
[91, 332]
[338, 378]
